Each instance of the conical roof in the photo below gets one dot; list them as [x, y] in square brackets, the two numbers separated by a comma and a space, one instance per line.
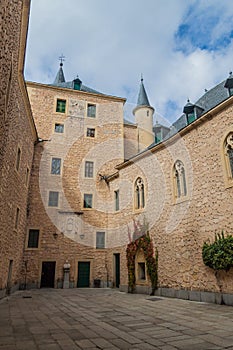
[142, 96]
[60, 78]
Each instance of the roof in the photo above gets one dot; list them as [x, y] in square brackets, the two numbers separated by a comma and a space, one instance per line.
[142, 96]
[209, 100]
[60, 82]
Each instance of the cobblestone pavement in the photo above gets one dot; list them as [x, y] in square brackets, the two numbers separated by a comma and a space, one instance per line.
[52, 319]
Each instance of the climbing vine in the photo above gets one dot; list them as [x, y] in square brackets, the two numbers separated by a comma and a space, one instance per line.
[142, 240]
[219, 254]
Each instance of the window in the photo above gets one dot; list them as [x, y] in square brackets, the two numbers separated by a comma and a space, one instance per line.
[116, 194]
[33, 238]
[191, 117]
[91, 110]
[18, 159]
[180, 180]
[53, 199]
[56, 166]
[61, 106]
[141, 271]
[89, 169]
[90, 132]
[229, 154]
[100, 240]
[27, 176]
[17, 218]
[59, 128]
[87, 201]
[139, 194]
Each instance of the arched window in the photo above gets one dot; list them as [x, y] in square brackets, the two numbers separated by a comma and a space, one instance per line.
[139, 194]
[180, 179]
[229, 154]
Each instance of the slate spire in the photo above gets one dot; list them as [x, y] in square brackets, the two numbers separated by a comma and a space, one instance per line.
[60, 78]
[142, 96]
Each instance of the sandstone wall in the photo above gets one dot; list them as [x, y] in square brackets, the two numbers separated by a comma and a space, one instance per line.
[17, 136]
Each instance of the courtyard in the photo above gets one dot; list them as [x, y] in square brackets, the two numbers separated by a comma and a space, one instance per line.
[72, 319]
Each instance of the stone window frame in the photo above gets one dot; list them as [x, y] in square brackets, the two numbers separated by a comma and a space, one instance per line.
[117, 200]
[91, 104]
[100, 236]
[86, 170]
[27, 238]
[51, 165]
[180, 186]
[225, 143]
[90, 127]
[18, 158]
[61, 98]
[92, 201]
[58, 200]
[139, 196]
[139, 259]
[17, 218]
[57, 132]
[27, 176]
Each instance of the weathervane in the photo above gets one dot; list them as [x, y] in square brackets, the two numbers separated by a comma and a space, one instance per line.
[62, 59]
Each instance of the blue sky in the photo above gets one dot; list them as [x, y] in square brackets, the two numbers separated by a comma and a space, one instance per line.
[181, 47]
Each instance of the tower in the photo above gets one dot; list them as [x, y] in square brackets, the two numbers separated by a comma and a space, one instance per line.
[143, 113]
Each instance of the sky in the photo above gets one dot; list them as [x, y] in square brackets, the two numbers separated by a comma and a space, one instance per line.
[181, 47]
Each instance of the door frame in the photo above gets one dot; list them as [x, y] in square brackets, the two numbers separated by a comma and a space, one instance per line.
[91, 270]
[40, 271]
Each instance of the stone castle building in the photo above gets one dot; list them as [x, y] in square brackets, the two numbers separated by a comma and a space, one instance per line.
[76, 176]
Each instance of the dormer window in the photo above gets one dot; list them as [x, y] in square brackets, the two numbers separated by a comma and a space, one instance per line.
[229, 84]
[192, 112]
[77, 84]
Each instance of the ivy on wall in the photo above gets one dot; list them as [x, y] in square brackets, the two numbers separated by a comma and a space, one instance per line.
[142, 240]
[219, 254]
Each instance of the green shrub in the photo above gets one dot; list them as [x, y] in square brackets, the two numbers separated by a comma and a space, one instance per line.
[219, 254]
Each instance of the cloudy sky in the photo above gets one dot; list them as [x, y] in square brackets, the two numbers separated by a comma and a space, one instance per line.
[181, 46]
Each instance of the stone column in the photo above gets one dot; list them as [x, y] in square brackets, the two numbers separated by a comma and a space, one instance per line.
[66, 281]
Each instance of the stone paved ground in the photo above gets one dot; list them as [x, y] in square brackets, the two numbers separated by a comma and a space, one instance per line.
[107, 319]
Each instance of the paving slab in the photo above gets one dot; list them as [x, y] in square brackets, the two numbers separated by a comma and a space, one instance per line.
[76, 319]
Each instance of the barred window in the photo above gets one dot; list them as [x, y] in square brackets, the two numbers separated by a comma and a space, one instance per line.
[91, 110]
[89, 167]
[56, 166]
[61, 106]
[100, 240]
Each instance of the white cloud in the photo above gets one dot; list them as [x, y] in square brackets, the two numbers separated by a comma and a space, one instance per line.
[110, 43]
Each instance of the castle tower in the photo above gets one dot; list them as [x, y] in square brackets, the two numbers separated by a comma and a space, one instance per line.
[143, 113]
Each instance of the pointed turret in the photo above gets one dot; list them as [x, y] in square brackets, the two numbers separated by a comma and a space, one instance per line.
[60, 78]
[142, 96]
[143, 113]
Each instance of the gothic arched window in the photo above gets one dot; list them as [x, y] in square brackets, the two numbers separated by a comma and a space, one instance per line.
[180, 179]
[139, 193]
[229, 154]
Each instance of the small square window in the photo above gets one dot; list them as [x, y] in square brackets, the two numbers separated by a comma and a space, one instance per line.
[89, 166]
[18, 158]
[90, 132]
[56, 166]
[100, 240]
[59, 128]
[33, 238]
[116, 193]
[91, 110]
[87, 201]
[53, 199]
[61, 106]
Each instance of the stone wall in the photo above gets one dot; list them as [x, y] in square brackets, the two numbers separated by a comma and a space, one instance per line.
[17, 136]
[179, 227]
[68, 232]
